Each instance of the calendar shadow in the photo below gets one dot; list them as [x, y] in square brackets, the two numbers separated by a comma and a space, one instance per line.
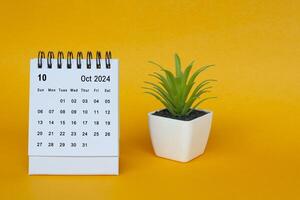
[135, 150]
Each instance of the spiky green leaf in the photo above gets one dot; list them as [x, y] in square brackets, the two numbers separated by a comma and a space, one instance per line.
[175, 90]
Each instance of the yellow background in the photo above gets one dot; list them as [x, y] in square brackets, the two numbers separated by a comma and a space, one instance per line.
[253, 151]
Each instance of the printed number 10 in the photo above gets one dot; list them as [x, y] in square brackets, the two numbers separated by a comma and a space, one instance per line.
[42, 77]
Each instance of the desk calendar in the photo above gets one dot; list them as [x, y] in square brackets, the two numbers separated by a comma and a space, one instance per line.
[73, 114]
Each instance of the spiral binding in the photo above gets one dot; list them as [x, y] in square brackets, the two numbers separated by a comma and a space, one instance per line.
[60, 56]
[41, 56]
[50, 56]
[79, 57]
[107, 59]
[69, 59]
[98, 58]
[89, 57]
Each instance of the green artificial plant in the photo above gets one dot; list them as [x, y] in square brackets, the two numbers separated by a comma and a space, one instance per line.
[179, 92]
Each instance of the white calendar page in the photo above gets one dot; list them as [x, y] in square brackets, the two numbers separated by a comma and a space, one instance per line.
[73, 112]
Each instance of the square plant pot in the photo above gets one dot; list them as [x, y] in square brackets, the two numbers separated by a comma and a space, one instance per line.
[177, 139]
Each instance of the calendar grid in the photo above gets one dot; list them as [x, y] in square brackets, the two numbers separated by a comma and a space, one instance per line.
[74, 112]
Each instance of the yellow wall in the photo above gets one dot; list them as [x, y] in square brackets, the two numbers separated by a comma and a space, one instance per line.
[253, 151]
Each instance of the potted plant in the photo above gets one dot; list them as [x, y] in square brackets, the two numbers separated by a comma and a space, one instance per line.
[179, 131]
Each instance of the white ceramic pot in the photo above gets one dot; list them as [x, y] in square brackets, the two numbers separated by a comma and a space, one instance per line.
[179, 140]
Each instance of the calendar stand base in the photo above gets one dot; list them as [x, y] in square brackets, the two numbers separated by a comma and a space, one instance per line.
[42, 165]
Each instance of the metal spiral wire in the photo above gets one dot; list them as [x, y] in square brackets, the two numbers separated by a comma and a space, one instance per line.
[79, 57]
